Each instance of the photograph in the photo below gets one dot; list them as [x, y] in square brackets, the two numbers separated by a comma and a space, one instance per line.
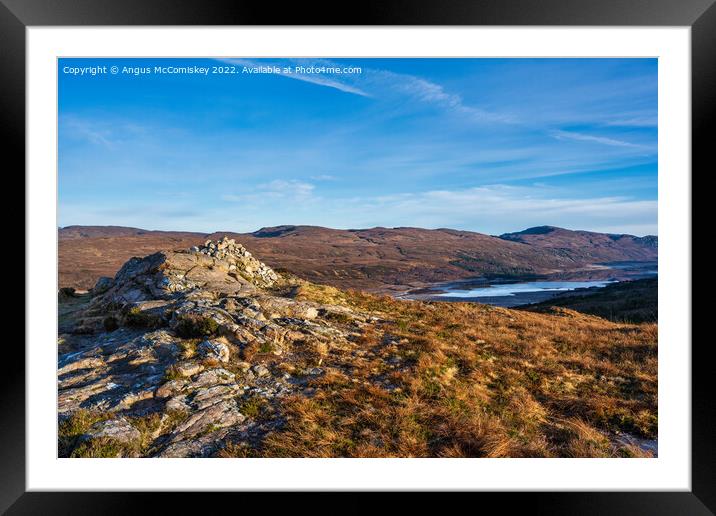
[380, 257]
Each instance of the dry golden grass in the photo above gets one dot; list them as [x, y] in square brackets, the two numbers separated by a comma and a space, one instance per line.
[469, 380]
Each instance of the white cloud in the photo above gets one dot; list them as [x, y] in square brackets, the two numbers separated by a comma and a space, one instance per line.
[492, 209]
[330, 83]
[643, 121]
[82, 129]
[291, 188]
[567, 135]
[277, 189]
[384, 85]
[429, 92]
[319, 79]
[498, 208]
[98, 131]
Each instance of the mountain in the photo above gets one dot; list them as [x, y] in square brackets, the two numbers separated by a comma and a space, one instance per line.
[376, 259]
[382, 257]
[587, 246]
[208, 352]
[71, 232]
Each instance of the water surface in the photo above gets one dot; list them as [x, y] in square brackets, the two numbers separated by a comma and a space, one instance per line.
[516, 292]
[514, 289]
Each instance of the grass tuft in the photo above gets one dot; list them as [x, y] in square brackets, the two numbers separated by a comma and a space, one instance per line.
[196, 326]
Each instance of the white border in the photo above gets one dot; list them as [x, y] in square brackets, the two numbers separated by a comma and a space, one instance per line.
[671, 470]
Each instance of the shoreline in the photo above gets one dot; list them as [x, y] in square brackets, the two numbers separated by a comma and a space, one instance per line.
[612, 273]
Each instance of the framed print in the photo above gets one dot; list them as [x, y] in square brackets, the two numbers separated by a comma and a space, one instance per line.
[437, 249]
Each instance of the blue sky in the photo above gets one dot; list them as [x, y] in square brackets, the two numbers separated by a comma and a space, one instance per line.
[488, 145]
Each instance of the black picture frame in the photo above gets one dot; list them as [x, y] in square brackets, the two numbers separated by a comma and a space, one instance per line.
[700, 15]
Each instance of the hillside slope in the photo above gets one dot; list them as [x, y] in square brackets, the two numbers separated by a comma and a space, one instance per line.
[626, 301]
[209, 352]
[587, 246]
[372, 259]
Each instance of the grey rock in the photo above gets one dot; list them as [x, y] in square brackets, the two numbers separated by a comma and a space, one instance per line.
[215, 416]
[119, 429]
[188, 368]
[178, 403]
[214, 377]
[211, 395]
[214, 349]
[171, 388]
[261, 370]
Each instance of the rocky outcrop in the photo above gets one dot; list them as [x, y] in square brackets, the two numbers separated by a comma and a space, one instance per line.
[185, 339]
[223, 267]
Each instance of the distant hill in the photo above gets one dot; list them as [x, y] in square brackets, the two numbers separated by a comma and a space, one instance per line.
[70, 232]
[373, 259]
[587, 246]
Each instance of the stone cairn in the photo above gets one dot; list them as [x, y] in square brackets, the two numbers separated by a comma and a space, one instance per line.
[227, 249]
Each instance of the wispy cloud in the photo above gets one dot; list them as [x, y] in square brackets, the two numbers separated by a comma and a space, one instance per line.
[313, 78]
[383, 85]
[640, 121]
[568, 135]
[502, 208]
[87, 130]
[429, 92]
[278, 189]
[291, 188]
[492, 209]
[100, 131]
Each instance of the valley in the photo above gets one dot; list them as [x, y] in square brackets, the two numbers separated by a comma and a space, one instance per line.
[380, 260]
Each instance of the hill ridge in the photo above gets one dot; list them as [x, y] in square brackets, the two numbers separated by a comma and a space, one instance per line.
[373, 259]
